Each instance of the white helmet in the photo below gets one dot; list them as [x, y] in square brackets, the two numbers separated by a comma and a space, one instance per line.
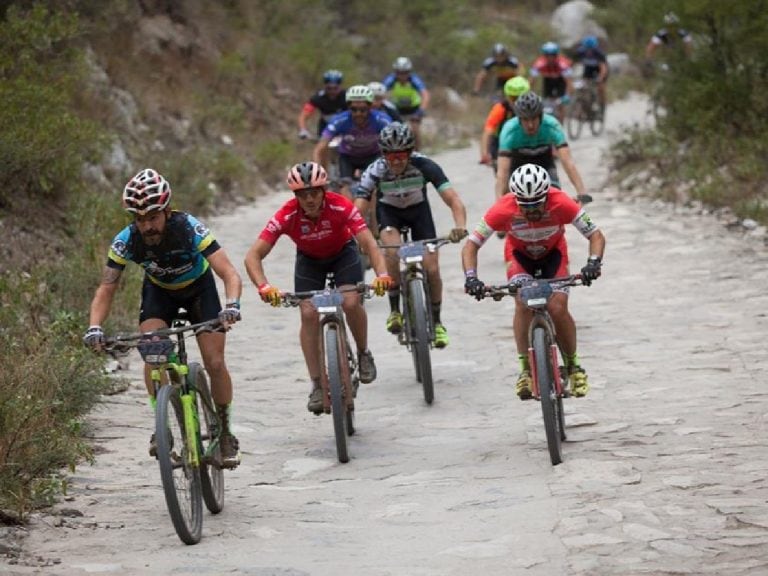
[359, 93]
[402, 64]
[377, 88]
[530, 184]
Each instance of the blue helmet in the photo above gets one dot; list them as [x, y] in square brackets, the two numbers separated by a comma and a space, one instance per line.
[590, 42]
[333, 77]
[550, 48]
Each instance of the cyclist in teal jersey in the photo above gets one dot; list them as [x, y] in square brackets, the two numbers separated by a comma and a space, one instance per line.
[177, 253]
[530, 138]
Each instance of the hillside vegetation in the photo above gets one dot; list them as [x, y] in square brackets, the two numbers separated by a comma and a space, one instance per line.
[208, 93]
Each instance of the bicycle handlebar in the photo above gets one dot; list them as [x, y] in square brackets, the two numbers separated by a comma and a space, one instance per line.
[432, 243]
[499, 291]
[289, 299]
[123, 342]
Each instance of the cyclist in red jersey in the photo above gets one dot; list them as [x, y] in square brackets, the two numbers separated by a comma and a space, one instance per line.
[556, 72]
[324, 225]
[534, 218]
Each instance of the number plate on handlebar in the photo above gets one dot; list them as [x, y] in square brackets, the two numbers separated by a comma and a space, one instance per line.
[327, 302]
[536, 294]
[156, 351]
[410, 253]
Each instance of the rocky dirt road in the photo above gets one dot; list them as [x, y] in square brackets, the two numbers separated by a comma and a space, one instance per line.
[665, 467]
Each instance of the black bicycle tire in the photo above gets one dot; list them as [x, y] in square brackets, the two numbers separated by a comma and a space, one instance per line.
[545, 383]
[352, 367]
[211, 473]
[338, 409]
[409, 331]
[575, 120]
[420, 342]
[169, 406]
[596, 119]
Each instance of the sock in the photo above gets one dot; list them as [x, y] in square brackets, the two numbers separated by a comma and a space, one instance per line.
[572, 359]
[224, 411]
[523, 359]
[436, 312]
[315, 382]
[153, 402]
[394, 300]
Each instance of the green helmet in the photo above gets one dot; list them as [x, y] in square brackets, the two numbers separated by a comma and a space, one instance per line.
[516, 86]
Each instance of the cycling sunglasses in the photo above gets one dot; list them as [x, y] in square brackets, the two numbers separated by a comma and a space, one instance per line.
[305, 193]
[401, 156]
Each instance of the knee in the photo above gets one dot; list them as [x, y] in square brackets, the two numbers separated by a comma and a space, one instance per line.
[215, 365]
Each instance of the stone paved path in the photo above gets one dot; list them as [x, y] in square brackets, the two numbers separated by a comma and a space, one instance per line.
[665, 467]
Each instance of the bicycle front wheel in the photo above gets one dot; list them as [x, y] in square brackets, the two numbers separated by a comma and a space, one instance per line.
[179, 473]
[575, 120]
[596, 119]
[420, 338]
[336, 384]
[547, 393]
[211, 473]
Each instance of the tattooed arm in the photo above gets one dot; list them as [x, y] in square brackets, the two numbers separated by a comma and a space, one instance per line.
[102, 300]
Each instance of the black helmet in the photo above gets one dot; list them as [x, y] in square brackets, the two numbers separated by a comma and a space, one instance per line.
[396, 137]
[529, 105]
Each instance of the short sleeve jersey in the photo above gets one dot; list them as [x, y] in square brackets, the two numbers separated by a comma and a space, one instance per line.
[179, 259]
[337, 223]
[514, 142]
[405, 95]
[402, 190]
[356, 141]
[328, 106]
[591, 58]
[535, 239]
[504, 70]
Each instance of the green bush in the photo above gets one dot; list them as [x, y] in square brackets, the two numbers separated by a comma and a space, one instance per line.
[43, 141]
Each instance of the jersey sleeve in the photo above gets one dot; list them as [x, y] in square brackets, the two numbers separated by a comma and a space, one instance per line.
[418, 83]
[275, 227]
[355, 219]
[495, 117]
[203, 239]
[119, 253]
[369, 181]
[432, 172]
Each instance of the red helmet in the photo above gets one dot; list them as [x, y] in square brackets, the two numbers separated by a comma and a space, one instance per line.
[306, 175]
[146, 192]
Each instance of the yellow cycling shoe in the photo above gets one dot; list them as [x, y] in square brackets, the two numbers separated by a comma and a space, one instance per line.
[441, 336]
[524, 385]
[578, 381]
[395, 322]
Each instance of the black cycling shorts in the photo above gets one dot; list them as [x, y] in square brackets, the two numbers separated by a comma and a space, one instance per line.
[348, 165]
[546, 267]
[417, 217]
[311, 273]
[200, 299]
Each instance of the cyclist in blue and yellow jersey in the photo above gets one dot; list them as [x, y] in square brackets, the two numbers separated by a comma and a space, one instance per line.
[359, 128]
[398, 183]
[177, 253]
[329, 101]
[409, 93]
[595, 66]
[501, 65]
[499, 114]
[529, 138]
[380, 101]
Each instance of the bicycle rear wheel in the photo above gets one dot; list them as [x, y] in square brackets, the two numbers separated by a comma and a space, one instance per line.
[420, 338]
[338, 409]
[596, 118]
[211, 474]
[547, 393]
[179, 474]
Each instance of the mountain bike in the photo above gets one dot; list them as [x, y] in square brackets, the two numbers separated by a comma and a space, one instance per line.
[550, 378]
[188, 450]
[418, 332]
[585, 109]
[339, 378]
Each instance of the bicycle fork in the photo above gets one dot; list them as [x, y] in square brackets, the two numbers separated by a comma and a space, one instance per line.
[552, 351]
